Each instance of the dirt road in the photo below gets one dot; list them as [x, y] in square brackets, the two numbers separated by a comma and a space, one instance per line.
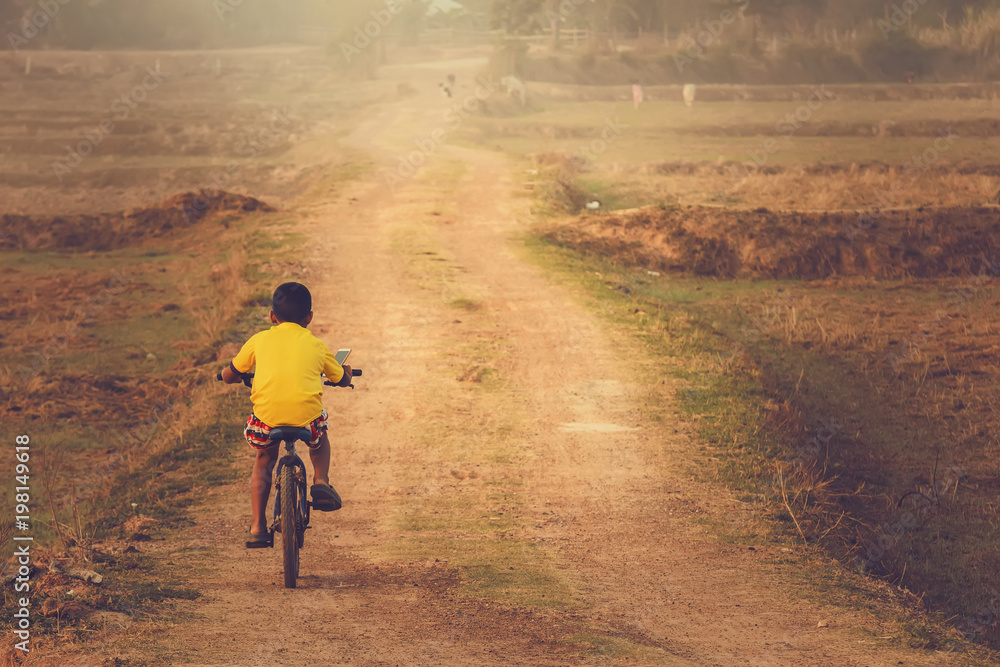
[508, 499]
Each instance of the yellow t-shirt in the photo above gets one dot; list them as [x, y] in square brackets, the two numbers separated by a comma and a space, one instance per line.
[287, 387]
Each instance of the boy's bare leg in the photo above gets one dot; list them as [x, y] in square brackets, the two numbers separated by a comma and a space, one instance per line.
[320, 458]
[260, 487]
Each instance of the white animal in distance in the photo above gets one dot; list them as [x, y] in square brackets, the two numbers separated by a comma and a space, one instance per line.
[689, 91]
[515, 86]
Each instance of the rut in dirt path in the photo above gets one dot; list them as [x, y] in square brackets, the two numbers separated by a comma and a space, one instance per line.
[506, 501]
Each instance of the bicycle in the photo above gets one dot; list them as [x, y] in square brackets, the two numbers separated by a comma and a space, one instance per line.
[290, 486]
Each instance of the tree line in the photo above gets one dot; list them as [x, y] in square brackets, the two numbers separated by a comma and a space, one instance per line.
[179, 24]
[671, 16]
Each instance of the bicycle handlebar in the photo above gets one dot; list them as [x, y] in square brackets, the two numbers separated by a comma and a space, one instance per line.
[355, 372]
[248, 377]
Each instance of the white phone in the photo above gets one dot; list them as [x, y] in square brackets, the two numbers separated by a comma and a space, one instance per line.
[342, 355]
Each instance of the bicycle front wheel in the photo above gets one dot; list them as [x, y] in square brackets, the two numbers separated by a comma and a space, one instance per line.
[289, 526]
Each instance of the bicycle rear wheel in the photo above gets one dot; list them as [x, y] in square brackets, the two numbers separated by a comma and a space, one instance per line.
[289, 526]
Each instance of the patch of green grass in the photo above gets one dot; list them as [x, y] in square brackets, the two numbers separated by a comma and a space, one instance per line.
[133, 346]
[447, 171]
[45, 262]
[481, 530]
[609, 647]
[353, 170]
[130, 585]
[601, 646]
[482, 534]
[148, 591]
[515, 571]
[463, 303]
[448, 514]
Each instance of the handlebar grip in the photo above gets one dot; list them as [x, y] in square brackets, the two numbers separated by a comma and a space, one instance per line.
[355, 372]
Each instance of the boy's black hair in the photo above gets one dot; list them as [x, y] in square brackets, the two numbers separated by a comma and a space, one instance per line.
[292, 302]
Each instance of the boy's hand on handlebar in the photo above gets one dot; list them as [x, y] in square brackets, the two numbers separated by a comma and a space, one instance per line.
[229, 377]
[348, 377]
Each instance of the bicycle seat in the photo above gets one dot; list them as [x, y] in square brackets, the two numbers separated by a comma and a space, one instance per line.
[284, 433]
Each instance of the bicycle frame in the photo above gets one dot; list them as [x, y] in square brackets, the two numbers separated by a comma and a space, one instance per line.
[298, 494]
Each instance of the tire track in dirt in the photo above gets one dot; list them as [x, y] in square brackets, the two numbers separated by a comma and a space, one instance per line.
[562, 425]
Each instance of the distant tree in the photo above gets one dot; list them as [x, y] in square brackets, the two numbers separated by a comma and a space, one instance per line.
[788, 15]
[12, 12]
[410, 21]
[363, 30]
[478, 8]
[555, 22]
[517, 16]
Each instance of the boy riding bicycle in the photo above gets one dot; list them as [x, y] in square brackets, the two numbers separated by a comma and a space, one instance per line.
[287, 391]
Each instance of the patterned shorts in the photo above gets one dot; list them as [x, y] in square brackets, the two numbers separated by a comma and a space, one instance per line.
[258, 433]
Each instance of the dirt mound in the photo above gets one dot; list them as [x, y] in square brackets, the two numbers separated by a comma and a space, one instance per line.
[768, 244]
[106, 231]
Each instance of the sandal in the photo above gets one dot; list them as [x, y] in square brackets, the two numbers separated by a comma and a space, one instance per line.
[325, 498]
[260, 540]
